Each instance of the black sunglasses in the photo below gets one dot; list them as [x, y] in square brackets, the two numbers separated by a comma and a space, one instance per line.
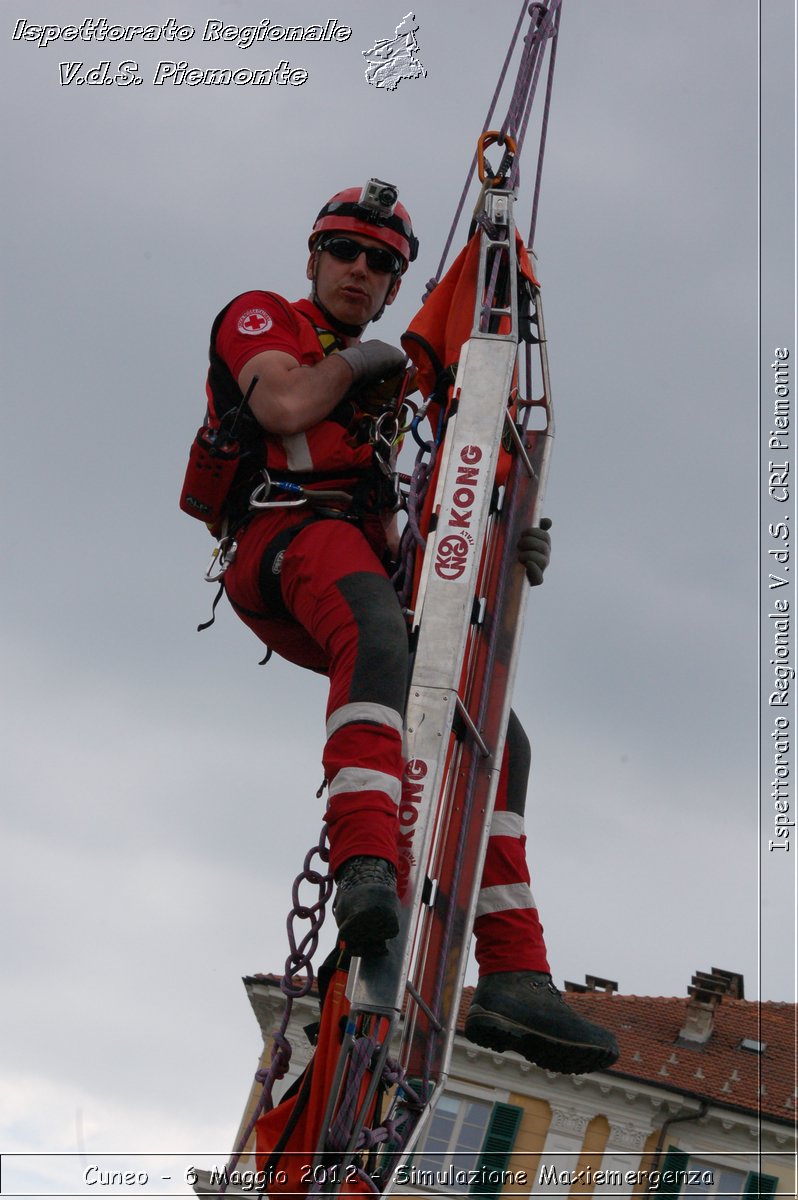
[348, 250]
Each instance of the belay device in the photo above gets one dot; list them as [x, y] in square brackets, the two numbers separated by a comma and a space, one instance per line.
[387, 1028]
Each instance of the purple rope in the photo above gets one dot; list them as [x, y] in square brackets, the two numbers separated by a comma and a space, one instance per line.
[535, 64]
[534, 47]
[521, 87]
[412, 537]
[458, 211]
[544, 126]
[396, 1131]
[359, 1059]
[418, 486]
[544, 26]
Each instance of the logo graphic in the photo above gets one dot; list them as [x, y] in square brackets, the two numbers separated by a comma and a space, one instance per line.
[451, 556]
[254, 320]
[414, 782]
[393, 59]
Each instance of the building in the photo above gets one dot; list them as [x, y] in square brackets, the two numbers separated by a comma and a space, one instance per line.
[700, 1103]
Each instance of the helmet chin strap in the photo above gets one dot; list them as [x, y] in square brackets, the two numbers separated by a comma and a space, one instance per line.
[341, 326]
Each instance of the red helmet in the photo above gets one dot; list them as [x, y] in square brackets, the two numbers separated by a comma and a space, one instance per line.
[373, 211]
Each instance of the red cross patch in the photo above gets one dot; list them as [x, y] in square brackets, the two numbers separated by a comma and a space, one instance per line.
[254, 321]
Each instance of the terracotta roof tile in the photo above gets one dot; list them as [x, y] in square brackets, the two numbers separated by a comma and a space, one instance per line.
[720, 1070]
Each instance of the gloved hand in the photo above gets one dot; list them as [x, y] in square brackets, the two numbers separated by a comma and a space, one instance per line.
[373, 360]
[534, 551]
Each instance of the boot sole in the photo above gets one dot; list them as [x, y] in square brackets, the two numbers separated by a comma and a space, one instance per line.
[375, 922]
[552, 1054]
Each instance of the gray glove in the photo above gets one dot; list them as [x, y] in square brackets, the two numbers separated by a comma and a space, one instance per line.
[373, 360]
[534, 551]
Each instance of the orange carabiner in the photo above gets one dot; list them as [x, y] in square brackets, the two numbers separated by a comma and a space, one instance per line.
[489, 138]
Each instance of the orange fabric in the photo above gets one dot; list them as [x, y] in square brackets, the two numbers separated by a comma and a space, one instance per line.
[445, 320]
[292, 1172]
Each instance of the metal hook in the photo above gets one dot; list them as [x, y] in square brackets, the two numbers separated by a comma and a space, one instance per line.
[222, 556]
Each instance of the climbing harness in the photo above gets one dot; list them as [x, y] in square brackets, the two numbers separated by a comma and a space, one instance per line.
[225, 487]
[295, 495]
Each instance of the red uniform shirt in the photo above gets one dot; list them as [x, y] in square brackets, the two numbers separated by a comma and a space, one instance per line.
[259, 321]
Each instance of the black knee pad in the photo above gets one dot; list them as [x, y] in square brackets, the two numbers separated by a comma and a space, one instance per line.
[519, 761]
[381, 667]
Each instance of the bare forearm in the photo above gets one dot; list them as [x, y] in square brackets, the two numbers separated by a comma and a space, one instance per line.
[289, 398]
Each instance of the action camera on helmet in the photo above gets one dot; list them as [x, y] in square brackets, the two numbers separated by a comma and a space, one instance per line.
[379, 197]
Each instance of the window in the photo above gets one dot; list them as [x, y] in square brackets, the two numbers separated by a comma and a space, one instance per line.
[709, 1179]
[467, 1146]
[453, 1142]
[696, 1178]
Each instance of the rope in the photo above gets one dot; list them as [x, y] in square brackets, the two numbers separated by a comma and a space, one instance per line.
[544, 127]
[526, 81]
[395, 1131]
[543, 27]
[458, 211]
[359, 1061]
[412, 537]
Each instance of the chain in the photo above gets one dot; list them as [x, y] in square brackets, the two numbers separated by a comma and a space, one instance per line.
[302, 949]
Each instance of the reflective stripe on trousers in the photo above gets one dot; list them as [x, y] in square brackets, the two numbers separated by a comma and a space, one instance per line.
[507, 930]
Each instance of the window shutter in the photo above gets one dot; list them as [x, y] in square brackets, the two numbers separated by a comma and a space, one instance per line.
[675, 1160]
[496, 1149]
[760, 1185]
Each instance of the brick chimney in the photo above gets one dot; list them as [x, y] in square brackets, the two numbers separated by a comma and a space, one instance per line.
[704, 995]
[593, 983]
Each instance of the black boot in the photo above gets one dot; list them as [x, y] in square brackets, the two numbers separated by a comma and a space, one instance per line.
[366, 906]
[523, 1011]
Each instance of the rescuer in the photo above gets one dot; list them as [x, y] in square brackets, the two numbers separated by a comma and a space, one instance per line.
[311, 582]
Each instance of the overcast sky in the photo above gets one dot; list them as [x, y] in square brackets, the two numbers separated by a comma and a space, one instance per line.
[160, 786]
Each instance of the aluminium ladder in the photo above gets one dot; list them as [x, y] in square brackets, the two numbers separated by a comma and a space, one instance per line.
[467, 630]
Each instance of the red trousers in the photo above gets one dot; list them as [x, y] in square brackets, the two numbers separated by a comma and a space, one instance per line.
[316, 593]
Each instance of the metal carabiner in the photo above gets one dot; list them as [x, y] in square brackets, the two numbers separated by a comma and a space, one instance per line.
[489, 138]
[386, 420]
[259, 497]
[407, 415]
[255, 497]
[223, 555]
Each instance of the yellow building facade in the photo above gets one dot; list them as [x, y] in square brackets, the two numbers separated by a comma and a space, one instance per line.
[701, 1102]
